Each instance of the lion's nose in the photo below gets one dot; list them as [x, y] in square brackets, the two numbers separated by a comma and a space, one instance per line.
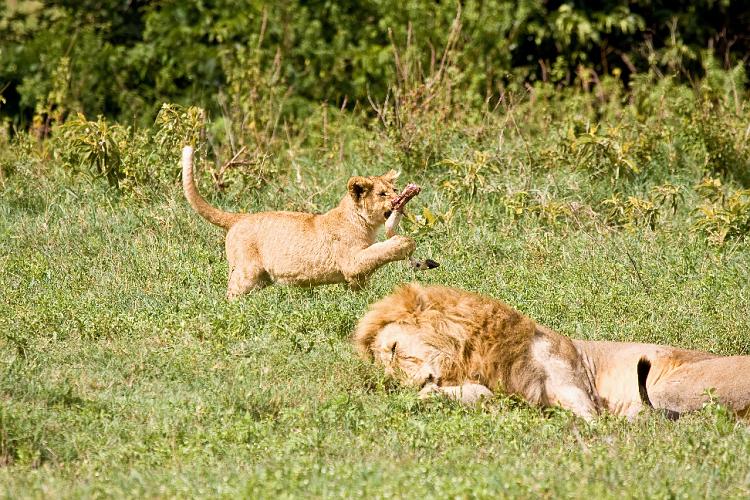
[426, 374]
[429, 379]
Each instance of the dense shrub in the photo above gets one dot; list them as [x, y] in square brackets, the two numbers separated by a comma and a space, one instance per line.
[497, 102]
[123, 59]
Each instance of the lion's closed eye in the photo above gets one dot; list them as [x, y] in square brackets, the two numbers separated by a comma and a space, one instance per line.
[393, 351]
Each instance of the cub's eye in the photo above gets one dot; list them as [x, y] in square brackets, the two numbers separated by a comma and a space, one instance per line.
[383, 194]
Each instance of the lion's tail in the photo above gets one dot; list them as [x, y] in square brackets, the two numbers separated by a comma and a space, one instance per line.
[644, 367]
[211, 214]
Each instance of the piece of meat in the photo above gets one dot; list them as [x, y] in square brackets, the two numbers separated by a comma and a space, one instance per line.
[409, 192]
[398, 203]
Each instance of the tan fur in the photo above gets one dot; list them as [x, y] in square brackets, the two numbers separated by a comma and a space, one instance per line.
[678, 381]
[306, 249]
[467, 346]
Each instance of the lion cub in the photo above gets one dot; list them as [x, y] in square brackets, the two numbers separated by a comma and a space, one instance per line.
[306, 249]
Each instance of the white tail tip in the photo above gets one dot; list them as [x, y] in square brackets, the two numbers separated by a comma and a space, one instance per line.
[187, 154]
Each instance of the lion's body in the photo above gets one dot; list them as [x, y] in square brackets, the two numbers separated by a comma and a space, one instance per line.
[306, 249]
[677, 382]
[449, 341]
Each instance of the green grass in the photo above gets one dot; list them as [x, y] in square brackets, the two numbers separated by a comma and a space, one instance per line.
[126, 373]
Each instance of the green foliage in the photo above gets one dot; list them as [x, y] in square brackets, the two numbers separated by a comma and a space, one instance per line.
[125, 59]
[95, 146]
[723, 213]
[469, 175]
[605, 147]
[726, 143]
[177, 126]
[539, 205]
[416, 114]
[591, 148]
[634, 211]
[130, 158]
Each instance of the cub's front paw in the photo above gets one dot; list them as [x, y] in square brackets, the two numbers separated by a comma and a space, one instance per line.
[404, 246]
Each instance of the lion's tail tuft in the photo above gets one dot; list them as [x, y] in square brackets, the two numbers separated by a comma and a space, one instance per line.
[644, 367]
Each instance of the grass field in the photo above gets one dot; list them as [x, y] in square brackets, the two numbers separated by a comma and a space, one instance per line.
[126, 373]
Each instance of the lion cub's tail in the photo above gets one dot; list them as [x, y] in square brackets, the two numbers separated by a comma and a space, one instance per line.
[211, 214]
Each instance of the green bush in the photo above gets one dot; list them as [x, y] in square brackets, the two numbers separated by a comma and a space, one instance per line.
[125, 59]
[425, 90]
[129, 158]
[723, 213]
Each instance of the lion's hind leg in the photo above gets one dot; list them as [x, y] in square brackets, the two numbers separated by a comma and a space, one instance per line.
[676, 386]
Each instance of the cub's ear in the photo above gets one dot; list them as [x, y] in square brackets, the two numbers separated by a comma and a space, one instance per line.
[358, 187]
[391, 175]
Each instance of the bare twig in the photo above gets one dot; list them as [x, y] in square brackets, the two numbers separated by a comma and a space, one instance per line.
[451, 43]
[381, 111]
[637, 271]
[218, 177]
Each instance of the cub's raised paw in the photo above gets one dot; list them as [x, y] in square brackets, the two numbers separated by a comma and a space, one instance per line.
[405, 246]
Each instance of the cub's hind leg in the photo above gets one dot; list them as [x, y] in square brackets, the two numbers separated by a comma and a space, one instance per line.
[246, 272]
[246, 277]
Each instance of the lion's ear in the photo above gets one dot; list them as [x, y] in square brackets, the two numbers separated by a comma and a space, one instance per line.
[391, 175]
[414, 298]
[358, 187]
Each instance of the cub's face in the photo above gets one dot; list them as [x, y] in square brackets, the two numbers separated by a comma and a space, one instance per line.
[405, 356]
[373, 196]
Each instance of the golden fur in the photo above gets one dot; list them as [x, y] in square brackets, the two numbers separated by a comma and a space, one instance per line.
[446, 340]
[306, 249]
[466, 346]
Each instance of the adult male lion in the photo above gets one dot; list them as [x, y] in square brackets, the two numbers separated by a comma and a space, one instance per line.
[306, 249]
[464, 345]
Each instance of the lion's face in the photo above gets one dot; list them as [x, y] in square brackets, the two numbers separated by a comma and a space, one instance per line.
[373, 196]
[405, 356]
